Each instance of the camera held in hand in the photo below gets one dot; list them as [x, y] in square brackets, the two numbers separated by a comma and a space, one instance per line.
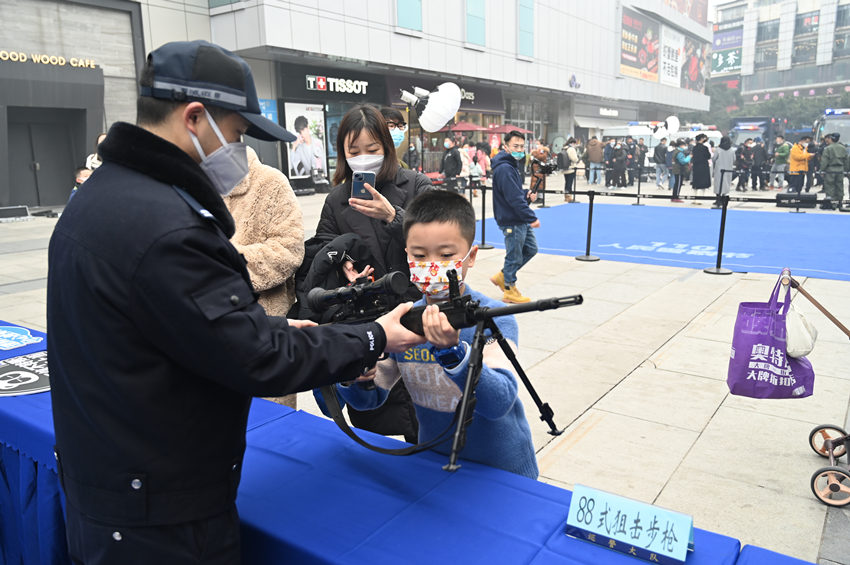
[544, 167]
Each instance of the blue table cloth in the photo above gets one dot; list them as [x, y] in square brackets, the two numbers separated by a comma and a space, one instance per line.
[32, 526]
[754, 555]
[310, 495]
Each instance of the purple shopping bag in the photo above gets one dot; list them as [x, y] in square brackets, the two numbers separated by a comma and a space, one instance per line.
[758, 366]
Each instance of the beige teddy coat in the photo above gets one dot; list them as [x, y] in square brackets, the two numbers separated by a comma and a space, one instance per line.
[269, 233]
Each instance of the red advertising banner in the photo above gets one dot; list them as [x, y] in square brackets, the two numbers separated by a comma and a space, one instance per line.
[697, 10]
[639, 46]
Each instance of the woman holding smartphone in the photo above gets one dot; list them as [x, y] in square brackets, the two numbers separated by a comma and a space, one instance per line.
[364, 140]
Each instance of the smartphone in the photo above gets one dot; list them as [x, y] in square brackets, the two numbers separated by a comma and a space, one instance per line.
[358, 179]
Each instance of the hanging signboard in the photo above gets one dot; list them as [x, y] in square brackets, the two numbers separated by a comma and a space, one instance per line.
[639, 46]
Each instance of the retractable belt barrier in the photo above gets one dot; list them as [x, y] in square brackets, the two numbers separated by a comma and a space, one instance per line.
[794, 199]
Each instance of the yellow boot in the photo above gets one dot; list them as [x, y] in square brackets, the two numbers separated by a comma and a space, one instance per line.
[512, 295]
[499, 280]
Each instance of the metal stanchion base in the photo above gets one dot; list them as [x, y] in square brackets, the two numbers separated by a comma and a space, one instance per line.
[717, 271]
[485, 246]
[587, 258]
[637, 204]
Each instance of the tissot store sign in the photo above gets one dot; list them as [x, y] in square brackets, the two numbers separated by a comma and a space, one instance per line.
[333, 84]
[299, 82]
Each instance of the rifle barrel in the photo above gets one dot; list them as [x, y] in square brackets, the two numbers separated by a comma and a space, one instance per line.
[537, 305]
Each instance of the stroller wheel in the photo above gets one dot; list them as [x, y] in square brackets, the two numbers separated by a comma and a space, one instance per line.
[831, 485]
[819, 435]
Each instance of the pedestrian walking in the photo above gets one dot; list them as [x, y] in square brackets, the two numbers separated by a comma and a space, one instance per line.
[513, 215]
[759, 164]
[595, 158]
[659, 157]
[722, 163]
[743, 164]
[798, 164]
[700, 157]
[781, 151]
[680, 164]
[833, 163]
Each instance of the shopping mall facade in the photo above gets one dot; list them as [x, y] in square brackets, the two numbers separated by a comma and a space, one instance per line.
[68, 68]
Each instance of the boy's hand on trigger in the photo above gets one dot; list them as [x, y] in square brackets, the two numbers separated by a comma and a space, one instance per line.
[438, 331]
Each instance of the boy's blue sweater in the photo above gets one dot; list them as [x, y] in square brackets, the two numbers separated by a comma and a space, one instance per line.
[498, 436]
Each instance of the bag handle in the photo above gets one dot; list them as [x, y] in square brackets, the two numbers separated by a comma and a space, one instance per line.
[774, 303]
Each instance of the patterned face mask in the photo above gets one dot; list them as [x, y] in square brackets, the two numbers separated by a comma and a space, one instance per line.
[431, 277]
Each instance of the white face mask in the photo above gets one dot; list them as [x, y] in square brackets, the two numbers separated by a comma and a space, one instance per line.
[431, 277]
[366, 163]
[227, 165]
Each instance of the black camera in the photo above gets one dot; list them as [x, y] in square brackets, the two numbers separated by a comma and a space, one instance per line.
[544, 167]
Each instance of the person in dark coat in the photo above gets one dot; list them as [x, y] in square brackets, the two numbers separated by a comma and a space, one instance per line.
[758, 172]
[618, 164]
[744, 163]
[452, 164]
[700, 157]
[363, 141]
[157, 341]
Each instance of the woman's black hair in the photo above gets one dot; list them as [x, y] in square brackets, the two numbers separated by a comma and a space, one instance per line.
[725, 143]
[359, 118]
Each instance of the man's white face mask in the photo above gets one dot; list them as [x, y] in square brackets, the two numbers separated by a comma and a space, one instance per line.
[227, 165]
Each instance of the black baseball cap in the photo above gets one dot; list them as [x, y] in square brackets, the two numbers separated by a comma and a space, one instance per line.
[203, 72]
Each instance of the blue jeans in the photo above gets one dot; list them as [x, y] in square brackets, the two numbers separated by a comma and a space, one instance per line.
[660, 174]
[595, 173]
[520, 247]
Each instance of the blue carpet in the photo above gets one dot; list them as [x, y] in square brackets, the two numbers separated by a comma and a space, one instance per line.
[812, 245]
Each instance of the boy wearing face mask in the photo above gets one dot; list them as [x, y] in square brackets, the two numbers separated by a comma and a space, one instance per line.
[439, 231]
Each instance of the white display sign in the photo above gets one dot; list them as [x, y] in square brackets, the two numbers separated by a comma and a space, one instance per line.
[672, 56]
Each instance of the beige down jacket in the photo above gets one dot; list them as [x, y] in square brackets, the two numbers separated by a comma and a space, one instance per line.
[269, 233]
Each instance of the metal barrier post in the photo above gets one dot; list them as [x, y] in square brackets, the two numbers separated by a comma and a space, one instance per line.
[483, 245]
[718, 270]
[587, 256]
[640, 174]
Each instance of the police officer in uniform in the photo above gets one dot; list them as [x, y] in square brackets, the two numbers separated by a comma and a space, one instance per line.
[832, 165]
[157, 342]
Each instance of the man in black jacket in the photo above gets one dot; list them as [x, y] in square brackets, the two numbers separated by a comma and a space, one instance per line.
[452, 165]
[759, 165]
[157, 342]
[744, 162]
[659, 157]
